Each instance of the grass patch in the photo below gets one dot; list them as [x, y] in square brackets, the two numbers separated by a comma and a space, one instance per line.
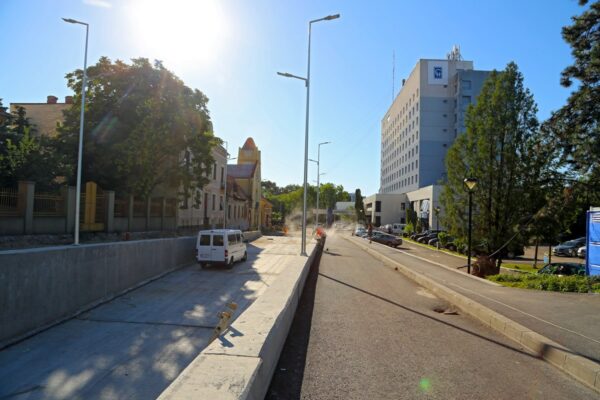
[577, 284]
[520, 267]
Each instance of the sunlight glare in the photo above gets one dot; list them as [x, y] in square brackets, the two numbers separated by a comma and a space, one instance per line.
[182, 33]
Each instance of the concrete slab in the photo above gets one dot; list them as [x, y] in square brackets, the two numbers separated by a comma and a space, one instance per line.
[238, 373]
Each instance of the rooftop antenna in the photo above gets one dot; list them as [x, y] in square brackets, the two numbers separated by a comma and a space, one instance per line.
[454, 54]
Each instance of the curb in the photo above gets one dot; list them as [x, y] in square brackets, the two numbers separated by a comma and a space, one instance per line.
[242, 366]
[579, 367]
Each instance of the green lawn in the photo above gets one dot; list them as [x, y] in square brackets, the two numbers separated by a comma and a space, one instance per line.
[521, 267]
[554, 283]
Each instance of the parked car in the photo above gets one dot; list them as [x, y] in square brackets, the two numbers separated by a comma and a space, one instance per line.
[359, 231]
[581, 252]
[563, 269]
[427, 238]
[398, 228]
[568, 248]
[387, 239]
[220, 246]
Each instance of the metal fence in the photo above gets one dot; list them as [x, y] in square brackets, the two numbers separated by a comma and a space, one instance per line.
[122, 207]
[9, 201]
[48, 204]
[156, 207]
[139, 207]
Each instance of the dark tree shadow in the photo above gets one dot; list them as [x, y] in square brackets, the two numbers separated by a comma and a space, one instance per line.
[286, 383]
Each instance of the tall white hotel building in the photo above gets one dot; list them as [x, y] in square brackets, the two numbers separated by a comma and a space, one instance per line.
[416, 131]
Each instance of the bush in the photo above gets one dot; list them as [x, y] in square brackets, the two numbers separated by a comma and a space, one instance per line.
[554, 283]
[409, 229]
[443, 238]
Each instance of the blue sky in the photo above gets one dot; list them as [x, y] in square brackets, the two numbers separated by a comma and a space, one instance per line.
[232, 49]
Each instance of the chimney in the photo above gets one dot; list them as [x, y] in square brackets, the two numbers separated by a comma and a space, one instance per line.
[403, 80]
[52, 99]
[68, 99]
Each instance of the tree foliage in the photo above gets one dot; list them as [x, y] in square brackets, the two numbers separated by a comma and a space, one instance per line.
[575, 127]
[24, 156]
[289, 199]
[359, 206]
[144, 129]
[512, 159]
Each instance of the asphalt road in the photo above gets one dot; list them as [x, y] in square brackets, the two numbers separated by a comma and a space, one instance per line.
[364, 331]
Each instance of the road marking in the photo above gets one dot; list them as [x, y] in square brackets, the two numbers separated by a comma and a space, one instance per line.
[443, 266]
[116, 321]
[525, 313]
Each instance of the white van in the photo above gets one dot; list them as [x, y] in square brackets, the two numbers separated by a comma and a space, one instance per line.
[398, 228]
[223, 246]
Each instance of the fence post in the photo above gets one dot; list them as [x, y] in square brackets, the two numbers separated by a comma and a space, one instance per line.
[69, 194]
[148, 205]
[109, 223]
[163, 211]
[25, 204]
[130, 214]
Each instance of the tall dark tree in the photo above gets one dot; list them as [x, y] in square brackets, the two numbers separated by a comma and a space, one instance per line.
[359, 206]
[504, 149]
[144, 129]
[576, 126]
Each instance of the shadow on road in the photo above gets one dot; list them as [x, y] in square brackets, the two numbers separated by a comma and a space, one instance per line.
[427, 316]
[289, 373]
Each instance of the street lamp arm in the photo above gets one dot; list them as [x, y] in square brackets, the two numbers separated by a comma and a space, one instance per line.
[327, 18]
[74, 21]
[288, 75]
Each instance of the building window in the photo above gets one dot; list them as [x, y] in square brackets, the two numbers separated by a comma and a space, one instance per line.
[465, 84]
[378, 206]
[214, 201]
[215, 171]
[402, 206]
[220, 203]
[222, 174]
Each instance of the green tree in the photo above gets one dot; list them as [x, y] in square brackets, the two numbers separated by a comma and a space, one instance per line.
[144, 129]
[5, 119]
[504, 149]
[576, 126]
[359, 206]
[23, 157]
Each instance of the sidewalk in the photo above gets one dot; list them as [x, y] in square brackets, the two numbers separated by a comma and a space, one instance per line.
[570, 319]
[136, 345]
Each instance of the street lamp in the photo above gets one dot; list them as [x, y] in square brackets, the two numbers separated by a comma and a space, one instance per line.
[225, 210]
[437, 217]
[80, 151]
[470, 184]
[318, 175]
[307, 84]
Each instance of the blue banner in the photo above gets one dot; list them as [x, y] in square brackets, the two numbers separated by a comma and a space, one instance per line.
[592, 246]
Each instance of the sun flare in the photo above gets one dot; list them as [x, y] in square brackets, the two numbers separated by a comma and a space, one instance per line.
[181, 33]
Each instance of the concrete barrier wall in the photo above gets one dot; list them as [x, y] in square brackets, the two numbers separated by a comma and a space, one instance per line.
[241, 367]
[40, 287]
[252, 235]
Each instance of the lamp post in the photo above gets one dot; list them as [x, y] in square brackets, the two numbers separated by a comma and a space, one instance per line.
[319, 175]
[80, 150]
[436, 211]
[307, 84]
[470, 184]
[318, 190]
[225, 210]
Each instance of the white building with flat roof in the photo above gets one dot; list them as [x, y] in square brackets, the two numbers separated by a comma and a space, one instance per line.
[424, 120]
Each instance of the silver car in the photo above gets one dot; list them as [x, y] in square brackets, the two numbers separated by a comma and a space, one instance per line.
[581, 252]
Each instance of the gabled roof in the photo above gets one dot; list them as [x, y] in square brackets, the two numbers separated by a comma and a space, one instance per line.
[241, 170]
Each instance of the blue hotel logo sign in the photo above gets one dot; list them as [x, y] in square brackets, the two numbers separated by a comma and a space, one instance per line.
[437, 72]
